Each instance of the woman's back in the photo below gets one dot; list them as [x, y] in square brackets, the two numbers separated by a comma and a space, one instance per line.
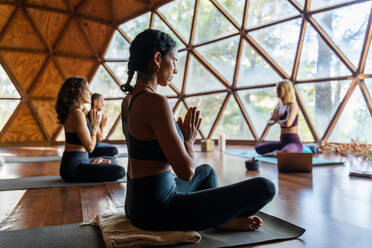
[145, 155]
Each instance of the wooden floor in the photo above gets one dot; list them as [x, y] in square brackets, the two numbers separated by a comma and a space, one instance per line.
[335, 209]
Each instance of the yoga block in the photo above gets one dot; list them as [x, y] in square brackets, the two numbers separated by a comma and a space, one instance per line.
[207, 145]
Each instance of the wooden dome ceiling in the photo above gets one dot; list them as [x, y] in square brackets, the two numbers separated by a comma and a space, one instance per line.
[42, 42]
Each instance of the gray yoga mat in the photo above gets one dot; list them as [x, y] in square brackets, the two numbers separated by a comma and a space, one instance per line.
[45, 182]
[45, 158]
[74, 235]
[248, 153]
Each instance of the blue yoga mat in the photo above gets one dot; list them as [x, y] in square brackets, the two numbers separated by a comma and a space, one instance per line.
[44, 158]
[248, 153]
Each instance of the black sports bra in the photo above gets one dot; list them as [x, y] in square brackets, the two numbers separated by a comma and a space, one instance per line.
[143, 149]
[73, 138]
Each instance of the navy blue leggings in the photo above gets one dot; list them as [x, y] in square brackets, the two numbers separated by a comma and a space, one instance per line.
[78, 167]
[103, 149]
[163, 202]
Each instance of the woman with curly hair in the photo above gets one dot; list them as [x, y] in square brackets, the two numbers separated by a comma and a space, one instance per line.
[76, 166]
[286, 115]
[155, 199]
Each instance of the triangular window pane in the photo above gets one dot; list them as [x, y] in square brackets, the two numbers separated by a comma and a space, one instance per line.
[180, 66]
[118, 48]
[318, 60]
[280, 42]
[179, 14]
[166, 91]
[302, 2]
[7, 108]
[368, 68]
[111, 109]
[222, 56]
[273, 134]
[199, 79]
[322, 100]
[368, 82]
[355, 121]
[209, 106]
[234, 8]
[232, 123]
[211, 23]
[304, 130]
[120, 70]
[136, 25]
[261, 12]
[61, 135]
[103, 84]
[180, 111]
[172, 102]
[7, 89]
[346, 27]
[160, 25]
[259, 104]
[118, 133]
[317, 4]
[254, 70]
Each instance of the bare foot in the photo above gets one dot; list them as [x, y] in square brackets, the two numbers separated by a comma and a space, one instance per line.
[250, 223]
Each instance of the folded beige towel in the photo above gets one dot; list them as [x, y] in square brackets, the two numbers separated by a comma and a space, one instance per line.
[117, 231]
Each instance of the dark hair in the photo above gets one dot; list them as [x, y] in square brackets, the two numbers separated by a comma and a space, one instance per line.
[95, 96]
[68, 95]
[142, 50]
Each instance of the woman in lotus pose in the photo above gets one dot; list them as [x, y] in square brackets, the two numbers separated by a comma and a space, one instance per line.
[155, 199]
[80, 140]
[286, 115]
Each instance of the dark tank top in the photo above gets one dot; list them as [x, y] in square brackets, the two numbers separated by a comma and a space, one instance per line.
[143, 149]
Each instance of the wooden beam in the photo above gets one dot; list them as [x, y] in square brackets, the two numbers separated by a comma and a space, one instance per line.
[366, 95]
[336, 6]
[331, 45]
[296, 5]
[112, 130]
[269, 24]
[366, 45]
[339, 110]
[266, 56]
[185, 74]
[206, 93]
[215, 40]
[219, 115]
[152, 19]
[319, 80]
[246, 116]
[210, 68]
[11, 118]
[179, 36]
[307, 117]
[298, 50]
[193, 23]
[38, 119]
[226, 14]
[7, 24]
[256, 87]
[117, 81]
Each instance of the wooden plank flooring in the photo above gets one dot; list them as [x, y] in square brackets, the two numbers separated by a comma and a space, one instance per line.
[335, 209]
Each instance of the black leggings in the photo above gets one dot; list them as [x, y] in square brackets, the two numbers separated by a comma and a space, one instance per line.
[162, 202]
[103, 149]
[77, 167]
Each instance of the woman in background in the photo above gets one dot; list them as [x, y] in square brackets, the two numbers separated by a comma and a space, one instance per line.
[76, 166]
[286, 115]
